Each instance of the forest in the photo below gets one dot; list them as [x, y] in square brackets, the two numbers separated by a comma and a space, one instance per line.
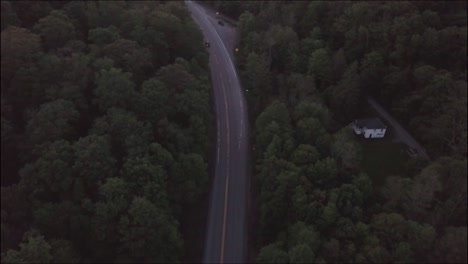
[105, 127]
[308, 67]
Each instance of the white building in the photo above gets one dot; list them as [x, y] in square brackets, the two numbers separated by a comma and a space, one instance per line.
[369, 127]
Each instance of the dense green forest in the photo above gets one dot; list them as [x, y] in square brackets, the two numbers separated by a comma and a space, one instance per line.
[308, 66]
[105, 121]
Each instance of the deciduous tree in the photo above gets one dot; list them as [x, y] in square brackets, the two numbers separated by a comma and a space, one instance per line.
[55, 29]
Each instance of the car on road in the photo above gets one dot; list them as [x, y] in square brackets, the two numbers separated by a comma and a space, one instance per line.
[412, 152]
[221, 22]
[207, 43]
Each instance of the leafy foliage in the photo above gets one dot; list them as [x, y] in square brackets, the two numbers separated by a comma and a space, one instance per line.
[308, 68]
[89, 135]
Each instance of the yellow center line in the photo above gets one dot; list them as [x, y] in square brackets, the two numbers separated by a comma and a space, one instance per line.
[227, 174]
[224, 219]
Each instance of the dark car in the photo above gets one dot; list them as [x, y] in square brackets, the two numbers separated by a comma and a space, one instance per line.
[412, 152]
[221, 22]
[207, 43]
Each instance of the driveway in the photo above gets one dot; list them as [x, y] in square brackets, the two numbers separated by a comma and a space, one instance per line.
[401, 135]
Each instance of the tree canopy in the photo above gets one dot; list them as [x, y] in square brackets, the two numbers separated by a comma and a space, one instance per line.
[308, 67]
[96, 97]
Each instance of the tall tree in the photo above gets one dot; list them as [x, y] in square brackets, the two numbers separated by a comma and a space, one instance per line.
[148, 234]
[129, 136]
[115, 89]
[55, 29]
[19, 48]
[52, 122]
[272, 254]
[35, 249]
[320, 66]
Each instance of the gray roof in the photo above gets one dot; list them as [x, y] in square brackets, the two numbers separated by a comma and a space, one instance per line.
[372, 123]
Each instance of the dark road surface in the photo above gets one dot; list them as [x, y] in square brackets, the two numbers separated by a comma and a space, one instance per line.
[226, 237]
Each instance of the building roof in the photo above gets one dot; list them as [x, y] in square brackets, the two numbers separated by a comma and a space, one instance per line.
[371, 123]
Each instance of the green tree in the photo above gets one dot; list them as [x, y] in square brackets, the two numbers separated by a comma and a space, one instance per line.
[272, 254]
[364, 184]
[445, 183]
[149, 234]
[275, 112]
[60, 219]
[30, 12]
[375, 253]
[372, 69]
[63, 251]
[114, 88]
[421, 237]
[395, 191]
[339, 64]
[451, 248]
[53, 121]
[298, 87]
[329, 215]
[320, 66]
[349, 197]
[55, 29]
[345, 228]
[103, 36]
[302, 234]
[257, 75]
[331, 250]
[158, 154]
[313, 14]
[35, 249]
[154, 97]
[128, 55]
[115, 190]
[324, 172]
[312, 109]
[16, 210]
[282, 45]
[105, 220]
[76, 11]
[129, 137]
[50, 173]
[176, 77]
[390, 228]
[305, 154]
[323, 143]
[246, 24]
[9, 16]
[344, 97]
[152, 39]
[423, 191]
[140, 172]
[93, 160]
[309, 130]
[19, 48]
[403, 253]
[301, 254]
[346, 150]
[104, 14]
[77, 76]
[189, 178]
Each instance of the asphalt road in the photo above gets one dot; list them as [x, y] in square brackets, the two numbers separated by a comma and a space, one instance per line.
[226, 237]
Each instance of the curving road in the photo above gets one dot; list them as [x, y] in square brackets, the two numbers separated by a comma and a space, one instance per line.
[226, 235]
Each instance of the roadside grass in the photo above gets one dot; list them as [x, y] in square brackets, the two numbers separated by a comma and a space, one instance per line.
[383, 158]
